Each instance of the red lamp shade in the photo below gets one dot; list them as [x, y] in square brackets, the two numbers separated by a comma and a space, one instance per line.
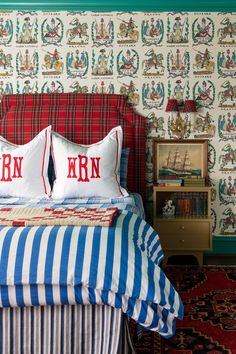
[190, 106]
[172, 105]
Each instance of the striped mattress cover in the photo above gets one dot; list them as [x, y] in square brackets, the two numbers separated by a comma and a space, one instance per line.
[64, 329]
[116, 266]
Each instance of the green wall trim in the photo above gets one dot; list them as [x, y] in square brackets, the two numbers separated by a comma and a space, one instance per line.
[223, 245]
[123, 5]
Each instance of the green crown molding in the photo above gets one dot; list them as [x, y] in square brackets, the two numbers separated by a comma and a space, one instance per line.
[123, 5]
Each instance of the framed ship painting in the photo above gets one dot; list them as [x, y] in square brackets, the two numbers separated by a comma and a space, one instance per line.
[180, 158]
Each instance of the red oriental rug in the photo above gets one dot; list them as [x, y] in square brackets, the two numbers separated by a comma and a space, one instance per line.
[209, 297]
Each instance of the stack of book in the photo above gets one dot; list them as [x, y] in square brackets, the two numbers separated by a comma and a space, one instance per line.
[190, 203]
[169, 182]
[194, 182]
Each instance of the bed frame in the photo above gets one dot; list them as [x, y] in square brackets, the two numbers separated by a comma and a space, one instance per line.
[81, 118]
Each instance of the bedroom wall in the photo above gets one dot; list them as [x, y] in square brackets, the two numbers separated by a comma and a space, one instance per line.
[149, 57]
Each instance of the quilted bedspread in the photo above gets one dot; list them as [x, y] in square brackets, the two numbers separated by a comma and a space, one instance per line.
[60, 216]
[116, 265]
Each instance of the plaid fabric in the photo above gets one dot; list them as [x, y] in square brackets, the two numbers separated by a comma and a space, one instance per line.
[124, 161]
[82, 118]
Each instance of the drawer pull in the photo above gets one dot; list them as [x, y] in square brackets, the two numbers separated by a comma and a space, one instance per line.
[182, 227]
[181, 241]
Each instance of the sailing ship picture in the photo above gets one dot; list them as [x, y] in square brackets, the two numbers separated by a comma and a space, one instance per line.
[177, 164]
[180, 159]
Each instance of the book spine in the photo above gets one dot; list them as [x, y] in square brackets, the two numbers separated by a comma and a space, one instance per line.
[169, 184]
[159, 180]
[197, 205]
[168, 177]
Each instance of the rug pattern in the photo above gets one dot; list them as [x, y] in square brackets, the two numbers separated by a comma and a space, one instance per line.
[148, 343]
[209, 297]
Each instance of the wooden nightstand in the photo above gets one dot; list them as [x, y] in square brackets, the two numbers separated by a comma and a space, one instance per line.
[188, 231]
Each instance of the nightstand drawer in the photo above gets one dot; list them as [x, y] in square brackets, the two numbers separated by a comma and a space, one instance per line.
[183, 235]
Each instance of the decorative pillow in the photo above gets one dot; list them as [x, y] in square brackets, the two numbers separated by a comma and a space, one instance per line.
[23, 168]
[87, 170]
[124, 160]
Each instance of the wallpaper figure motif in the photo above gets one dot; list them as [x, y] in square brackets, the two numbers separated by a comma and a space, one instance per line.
[204, 63]
[153, 94]
[77, 63]
[102, 62]
[203, 31]
[28, 86]
[127, 63]
[228, 222]
[227, 97]
[27, 31]
[227, 126]
[177, 30]
[152, 30]
[178, 63]
[204, 126]
[52, 31]
[102, 32]
[130, 91]
[179, 90]
[6, 88]
[227, 33]
[77, 33]
[128, 32]
[6, 30]
[153, 63]
[78, 88]
[52, 87]
[27, 63]
[227, 159]
[227, 190]
[204, 93]
[103, 87]
[155, 126]
[6, 65]
[226, 63]
[53, 64]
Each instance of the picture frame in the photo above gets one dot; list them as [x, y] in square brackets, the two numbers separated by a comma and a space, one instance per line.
[180, 158]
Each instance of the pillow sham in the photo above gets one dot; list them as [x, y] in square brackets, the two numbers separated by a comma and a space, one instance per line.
[84, 171]
[124, 161]
[23, 168]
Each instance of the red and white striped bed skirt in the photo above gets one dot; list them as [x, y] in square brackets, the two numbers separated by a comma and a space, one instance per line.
[66, 329]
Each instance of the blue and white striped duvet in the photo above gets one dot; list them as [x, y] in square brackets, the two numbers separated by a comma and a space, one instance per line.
[117, 266]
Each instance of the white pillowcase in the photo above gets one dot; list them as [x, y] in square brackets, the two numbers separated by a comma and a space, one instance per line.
[24, 168]
[84, 171]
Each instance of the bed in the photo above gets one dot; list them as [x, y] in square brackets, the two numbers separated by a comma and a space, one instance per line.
[56, 301]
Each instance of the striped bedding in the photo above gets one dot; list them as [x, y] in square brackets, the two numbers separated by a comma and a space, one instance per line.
[65, 329]
[116, 266]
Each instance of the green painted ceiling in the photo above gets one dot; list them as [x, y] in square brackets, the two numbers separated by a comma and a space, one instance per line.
[123, 5]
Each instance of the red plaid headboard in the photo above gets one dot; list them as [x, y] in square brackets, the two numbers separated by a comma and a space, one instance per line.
[82, 118]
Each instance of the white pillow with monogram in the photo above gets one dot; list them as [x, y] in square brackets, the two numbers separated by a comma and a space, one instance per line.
[24, 168]
[87, 170]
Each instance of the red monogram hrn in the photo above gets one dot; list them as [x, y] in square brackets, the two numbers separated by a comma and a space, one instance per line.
[83, 168]
[10, 167]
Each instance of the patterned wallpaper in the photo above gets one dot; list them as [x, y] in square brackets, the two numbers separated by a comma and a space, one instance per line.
[149, 57]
